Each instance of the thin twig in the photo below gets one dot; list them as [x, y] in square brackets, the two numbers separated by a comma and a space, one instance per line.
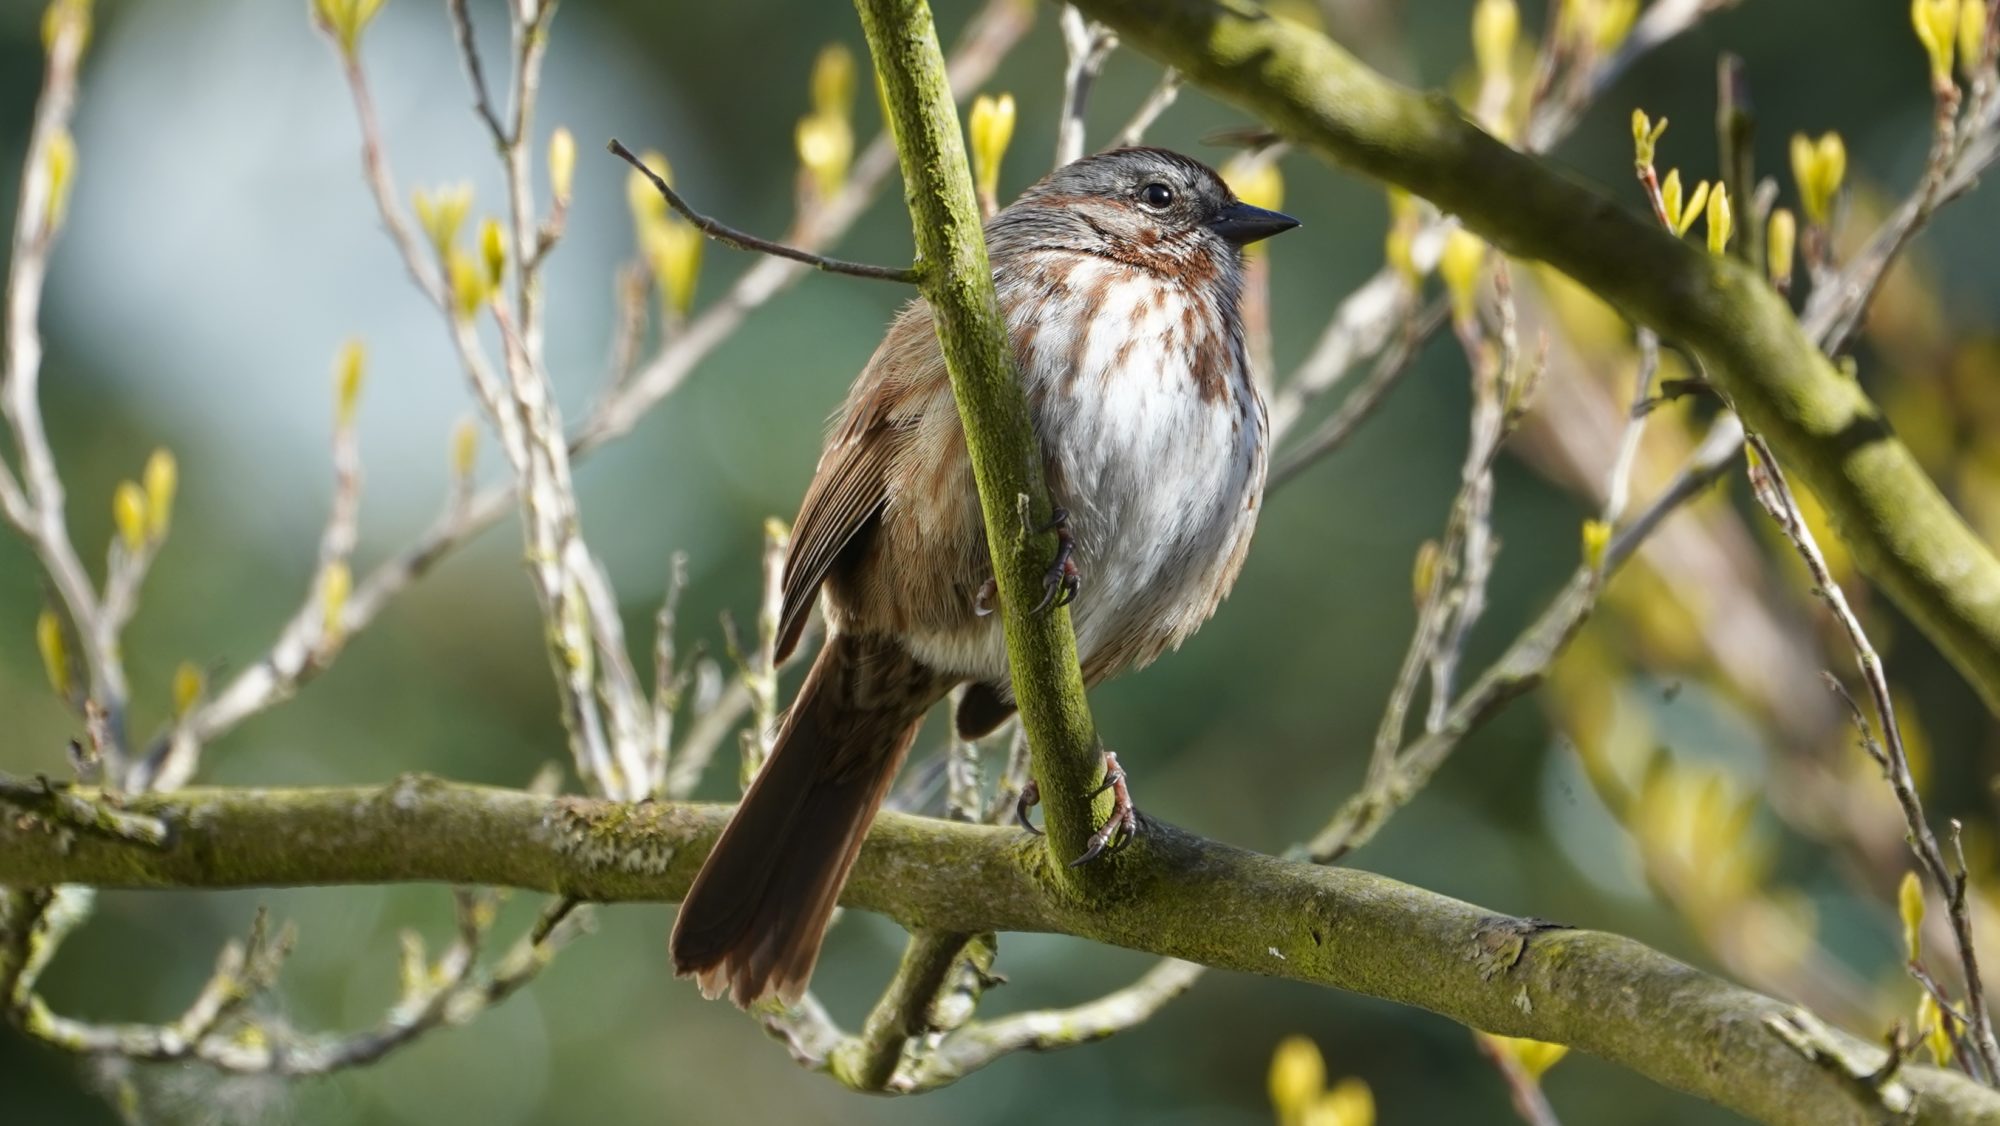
[1165, 91]
[1338, 427]
[977, 1045]
[742, 240]
[1086, 44]
[35, 503]
[868, 1060]
[468, 53]
[1527, 661]
[1775, 495]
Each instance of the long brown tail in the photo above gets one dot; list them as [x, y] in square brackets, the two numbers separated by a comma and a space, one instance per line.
[753, 921]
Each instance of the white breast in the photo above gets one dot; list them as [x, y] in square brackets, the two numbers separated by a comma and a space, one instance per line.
[1162, 481]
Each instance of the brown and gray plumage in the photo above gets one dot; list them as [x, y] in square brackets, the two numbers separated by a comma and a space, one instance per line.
[1119, 276]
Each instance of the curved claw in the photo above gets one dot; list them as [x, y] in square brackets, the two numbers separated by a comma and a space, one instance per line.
[1120, 829]
[1031, 795]
[1123, 824]
[1059, 586]
[1062, 581]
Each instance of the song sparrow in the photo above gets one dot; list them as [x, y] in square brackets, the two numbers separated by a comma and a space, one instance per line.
[1119, 277]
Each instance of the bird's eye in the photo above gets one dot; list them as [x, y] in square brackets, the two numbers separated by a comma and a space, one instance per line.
[1156, 195]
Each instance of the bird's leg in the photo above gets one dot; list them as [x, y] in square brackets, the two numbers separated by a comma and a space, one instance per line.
[1121, 826]
[1062, 581]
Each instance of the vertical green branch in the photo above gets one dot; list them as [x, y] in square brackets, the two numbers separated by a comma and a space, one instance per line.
[957, 281]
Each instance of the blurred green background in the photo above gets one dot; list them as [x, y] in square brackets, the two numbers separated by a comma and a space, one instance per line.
[221, 246]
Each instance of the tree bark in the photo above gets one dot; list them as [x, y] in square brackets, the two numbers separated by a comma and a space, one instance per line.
[1182, 896]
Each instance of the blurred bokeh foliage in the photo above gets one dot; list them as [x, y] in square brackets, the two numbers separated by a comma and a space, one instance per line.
[1683, 779]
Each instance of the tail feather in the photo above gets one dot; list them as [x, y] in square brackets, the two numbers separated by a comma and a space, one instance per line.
[753, 921]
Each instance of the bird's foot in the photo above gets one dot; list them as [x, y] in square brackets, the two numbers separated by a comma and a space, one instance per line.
[1062, 581]
[1123, 824]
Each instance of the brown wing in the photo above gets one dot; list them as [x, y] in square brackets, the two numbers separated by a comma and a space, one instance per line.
[853, 480]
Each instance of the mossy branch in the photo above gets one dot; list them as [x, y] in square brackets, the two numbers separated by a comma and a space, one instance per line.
[1185, 897]
[957, 282]
[1903, 533]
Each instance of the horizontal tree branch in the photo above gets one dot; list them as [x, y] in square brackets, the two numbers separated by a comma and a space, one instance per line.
[1182, 896]
[1901, 530]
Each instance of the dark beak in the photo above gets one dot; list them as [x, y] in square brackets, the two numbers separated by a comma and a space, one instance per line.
[1242, 224]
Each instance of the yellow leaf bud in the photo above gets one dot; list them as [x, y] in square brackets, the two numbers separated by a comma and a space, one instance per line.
[562, 164]
[649, 207]
[469, 287]
[1721, 221]
[441, 212]
[345, 20]
[1535, 1057]
[336, 582]
[991, 125]
[60, 173]
[1496, 25]
[1298, 1076]
[1971, 36]
[673, 252]
[833, 81]
[162, 480]
[1459, 265]
[464, 449]
[1596, 539]
[348, 369]
[1818, 167]
[1781, 243]
[1645, 138]
[1424, 569]
[1350, 1103]
[1681, 213]
[1910, 905]
[1935, 1028]
[188, 687]
[55, 651]
[62, 16]
[826, 148]
[493, 250]
[128, 513]
[1611, 22]
[1936, 22]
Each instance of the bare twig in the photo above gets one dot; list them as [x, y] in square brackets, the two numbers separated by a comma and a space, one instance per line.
[35, 504]
[869, 1060]
[1087, 44]
[741, 240]
[1526, 662]
[1164, 92]
[288, 664]
[475, 74]
[976, 1045]
[1333, 431]
[1775, 495]
[1961, 149]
